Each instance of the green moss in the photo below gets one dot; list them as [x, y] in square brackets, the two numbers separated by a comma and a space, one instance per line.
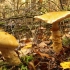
[27, 58]
[2, 22]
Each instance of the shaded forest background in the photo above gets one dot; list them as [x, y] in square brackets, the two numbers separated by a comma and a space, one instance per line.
[17, 16]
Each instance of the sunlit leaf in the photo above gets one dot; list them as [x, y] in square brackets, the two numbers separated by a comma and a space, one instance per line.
[65, 65]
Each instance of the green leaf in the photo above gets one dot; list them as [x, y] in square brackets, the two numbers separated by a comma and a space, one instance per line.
[23, 67]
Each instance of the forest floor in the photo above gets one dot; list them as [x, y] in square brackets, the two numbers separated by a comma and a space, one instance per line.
[39, 58]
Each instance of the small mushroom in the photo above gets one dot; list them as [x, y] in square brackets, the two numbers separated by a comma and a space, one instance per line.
[54, 18]
[8, 44]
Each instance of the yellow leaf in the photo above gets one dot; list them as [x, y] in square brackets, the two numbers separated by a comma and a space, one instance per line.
[28, 45]
[65, 65]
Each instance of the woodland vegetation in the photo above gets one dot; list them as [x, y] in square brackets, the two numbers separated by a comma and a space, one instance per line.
[35, 48]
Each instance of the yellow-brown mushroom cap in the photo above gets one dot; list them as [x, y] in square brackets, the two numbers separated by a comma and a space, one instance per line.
[8, 41]
[53, 17]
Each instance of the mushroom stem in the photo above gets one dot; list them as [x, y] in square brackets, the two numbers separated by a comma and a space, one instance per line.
[56, 38]
[55, 27]
[11, 57]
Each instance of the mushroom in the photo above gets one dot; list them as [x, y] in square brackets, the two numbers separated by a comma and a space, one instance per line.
[54, 18]
[8, 44]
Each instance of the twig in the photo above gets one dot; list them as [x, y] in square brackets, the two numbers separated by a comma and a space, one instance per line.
[32, 64]
[42, 54]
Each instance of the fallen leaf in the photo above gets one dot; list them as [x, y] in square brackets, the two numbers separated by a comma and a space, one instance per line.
[65, 65]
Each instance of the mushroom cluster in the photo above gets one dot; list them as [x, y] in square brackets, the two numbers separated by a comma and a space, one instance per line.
[8, 44]
[54, 18]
